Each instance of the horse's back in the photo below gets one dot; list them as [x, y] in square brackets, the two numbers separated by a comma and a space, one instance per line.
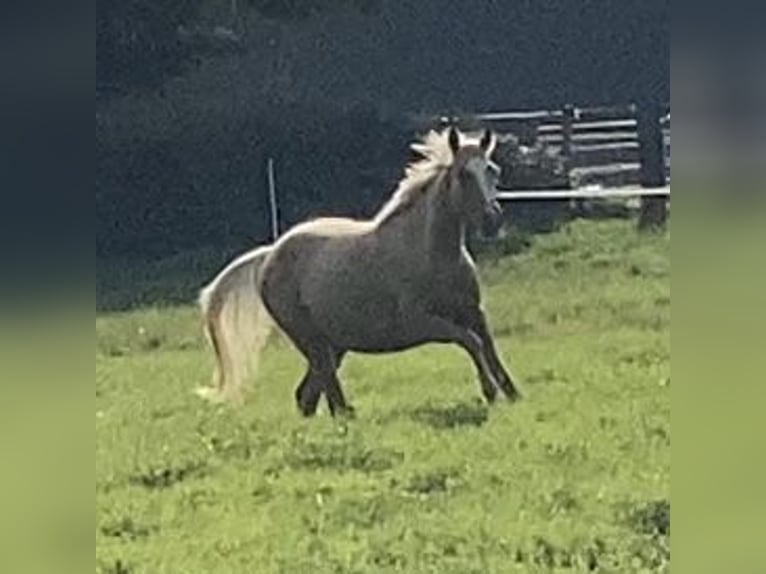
[329, 227]
[296, 250]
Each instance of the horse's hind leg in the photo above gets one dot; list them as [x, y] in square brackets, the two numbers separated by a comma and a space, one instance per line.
[307, 395]
[280, 296]
[335, 398]
[321, 377]
[323, 361]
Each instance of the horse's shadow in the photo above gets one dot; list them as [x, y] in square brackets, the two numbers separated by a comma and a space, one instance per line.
[452, 416]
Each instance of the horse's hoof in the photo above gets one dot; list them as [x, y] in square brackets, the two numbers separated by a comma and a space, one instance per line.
[490, 395]
[306, 412]
[510, 391]
[307, 409]
[347, 412]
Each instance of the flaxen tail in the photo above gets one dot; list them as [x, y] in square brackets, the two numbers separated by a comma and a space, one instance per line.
[236, 323]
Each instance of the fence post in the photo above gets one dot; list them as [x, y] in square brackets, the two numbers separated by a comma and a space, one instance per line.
[653, 214]
[567, 127]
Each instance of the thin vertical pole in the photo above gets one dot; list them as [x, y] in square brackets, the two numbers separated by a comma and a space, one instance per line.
[273, 200]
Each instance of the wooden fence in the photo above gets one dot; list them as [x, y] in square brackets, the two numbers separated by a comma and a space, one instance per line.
[609, 151]
[601, 145]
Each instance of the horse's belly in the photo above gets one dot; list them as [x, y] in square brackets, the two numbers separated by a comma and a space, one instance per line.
[361, 323]
[393, 345]
[368, 331]
[354, 302]
[356, 324]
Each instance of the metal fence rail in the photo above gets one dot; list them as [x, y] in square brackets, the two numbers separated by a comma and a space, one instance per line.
[583, 193]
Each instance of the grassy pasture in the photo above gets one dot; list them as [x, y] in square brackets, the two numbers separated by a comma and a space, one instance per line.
[575, 478]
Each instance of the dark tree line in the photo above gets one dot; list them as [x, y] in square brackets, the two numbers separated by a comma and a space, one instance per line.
[172, 194]
[138, 44]
[324, 87]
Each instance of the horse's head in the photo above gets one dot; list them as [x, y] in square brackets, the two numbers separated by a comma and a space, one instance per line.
[473, 178]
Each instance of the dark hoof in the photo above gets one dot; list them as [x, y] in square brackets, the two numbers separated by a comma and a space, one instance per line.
[306, 411]
[347, 412]
[308, 408]
[490, 394]
[510, 391]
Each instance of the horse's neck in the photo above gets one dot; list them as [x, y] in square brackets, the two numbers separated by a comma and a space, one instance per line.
[444, 230]
[429, 230]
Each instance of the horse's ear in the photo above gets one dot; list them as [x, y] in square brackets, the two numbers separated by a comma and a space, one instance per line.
[454, 139]
[487, 142]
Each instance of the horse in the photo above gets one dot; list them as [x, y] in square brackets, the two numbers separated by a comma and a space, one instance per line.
[399, 280]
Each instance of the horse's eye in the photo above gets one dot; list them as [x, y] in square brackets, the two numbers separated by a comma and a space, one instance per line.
[493, 170]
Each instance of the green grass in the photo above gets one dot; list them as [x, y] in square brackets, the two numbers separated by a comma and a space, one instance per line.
[575, 478]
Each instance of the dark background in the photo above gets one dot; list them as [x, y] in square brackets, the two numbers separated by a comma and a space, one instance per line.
[192, 97]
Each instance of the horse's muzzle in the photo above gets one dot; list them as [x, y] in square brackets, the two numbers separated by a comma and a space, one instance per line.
[493, 218]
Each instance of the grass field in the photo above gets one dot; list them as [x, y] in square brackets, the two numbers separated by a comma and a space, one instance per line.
[575, 478]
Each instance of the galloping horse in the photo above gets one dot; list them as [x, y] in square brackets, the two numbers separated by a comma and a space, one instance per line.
[399, 280]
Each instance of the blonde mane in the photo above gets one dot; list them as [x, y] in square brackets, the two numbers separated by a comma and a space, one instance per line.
[435, 158]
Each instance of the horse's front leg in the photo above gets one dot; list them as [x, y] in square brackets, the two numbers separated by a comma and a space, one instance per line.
[475, 320]
[424, 326]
